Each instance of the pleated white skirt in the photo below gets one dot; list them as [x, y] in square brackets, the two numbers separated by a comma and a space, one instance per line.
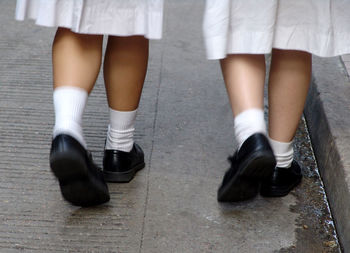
[111, 17]
[321, 27]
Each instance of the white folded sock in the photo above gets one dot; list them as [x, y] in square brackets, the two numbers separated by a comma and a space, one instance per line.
[284, 153]
[69, 103]
[120, 135]
[247, 123]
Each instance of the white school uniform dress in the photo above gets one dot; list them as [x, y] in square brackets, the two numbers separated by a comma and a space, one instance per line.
[321, 27]
[110, 17]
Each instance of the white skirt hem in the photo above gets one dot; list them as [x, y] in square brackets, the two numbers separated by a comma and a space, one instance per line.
[320, 27]
[146, 21]
[217, 47]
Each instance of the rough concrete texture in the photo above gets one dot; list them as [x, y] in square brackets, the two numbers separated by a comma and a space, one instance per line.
[346, 61]
[185, 128]
[328, 118]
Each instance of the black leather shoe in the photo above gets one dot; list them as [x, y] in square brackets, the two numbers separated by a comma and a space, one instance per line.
[282, 181]
[81, 181]
[253, 162]
[120, 166]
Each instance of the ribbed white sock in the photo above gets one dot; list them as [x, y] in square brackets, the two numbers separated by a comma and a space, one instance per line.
[283, 152]
[247, 123]
[69, 103]
[120, 135]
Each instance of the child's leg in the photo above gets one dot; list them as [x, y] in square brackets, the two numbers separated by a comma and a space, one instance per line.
[76, 64]
[125, 70]
[290, 76]
[244, 77]
[288, 86]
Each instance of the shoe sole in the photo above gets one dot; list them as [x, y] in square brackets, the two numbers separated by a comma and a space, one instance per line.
[122, 177]
[275, 191]
[245, 182]
[78, 186]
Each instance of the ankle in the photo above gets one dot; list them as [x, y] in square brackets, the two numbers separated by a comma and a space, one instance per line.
[284, 153]
[247, 123]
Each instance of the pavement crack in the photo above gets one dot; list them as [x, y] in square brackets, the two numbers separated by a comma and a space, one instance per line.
[152, 146]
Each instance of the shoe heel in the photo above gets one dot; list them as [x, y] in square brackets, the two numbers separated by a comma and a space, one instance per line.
[122, 177]
[261, 166]
[67, 166]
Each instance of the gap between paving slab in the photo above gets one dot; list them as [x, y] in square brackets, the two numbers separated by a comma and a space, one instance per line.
[328, 119]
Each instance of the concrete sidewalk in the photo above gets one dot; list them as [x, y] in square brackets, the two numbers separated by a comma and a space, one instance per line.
[184, 126]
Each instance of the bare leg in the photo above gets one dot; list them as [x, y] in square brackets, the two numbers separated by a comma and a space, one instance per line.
[288, 86]
[244, 78]
[125, 69]
[76, 63]
[76, 59]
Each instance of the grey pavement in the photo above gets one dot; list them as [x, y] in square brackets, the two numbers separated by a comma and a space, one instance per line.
[346, 60]
[185, 127]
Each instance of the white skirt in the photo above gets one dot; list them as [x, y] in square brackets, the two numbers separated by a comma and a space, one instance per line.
[111, 17]
[321, 27]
